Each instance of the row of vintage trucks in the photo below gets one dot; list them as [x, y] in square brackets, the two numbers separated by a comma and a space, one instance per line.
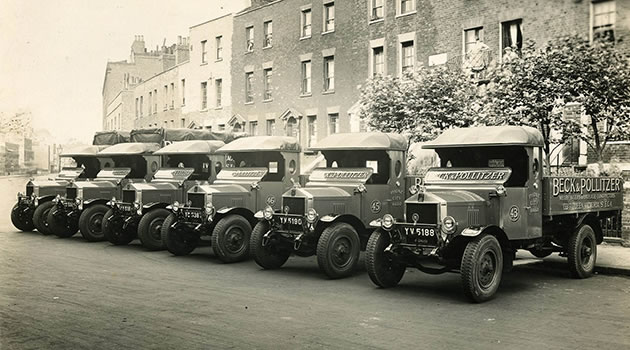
[181, 189]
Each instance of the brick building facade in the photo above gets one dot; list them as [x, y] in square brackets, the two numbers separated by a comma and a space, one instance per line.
[298, 65]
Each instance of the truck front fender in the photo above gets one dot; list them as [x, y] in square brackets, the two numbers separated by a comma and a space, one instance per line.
[154, 205]
[246, 213]
[95, 201]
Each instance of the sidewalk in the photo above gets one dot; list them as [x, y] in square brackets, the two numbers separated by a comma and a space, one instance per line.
[611, 259]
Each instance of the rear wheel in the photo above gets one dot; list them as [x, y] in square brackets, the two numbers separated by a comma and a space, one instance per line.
[40, 217]
[338, 250]
[22, 219]
[381, 268]
[150, 229]
[230, 238]
[481, 268]
[270, 256]
[60, 225]
[178, 242]
[582, 252]
[91, 222]
[113, 230]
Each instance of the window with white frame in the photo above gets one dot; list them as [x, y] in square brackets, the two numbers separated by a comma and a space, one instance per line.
[204, 95]
[406, 6]
[511, 37]
[249, 37]
[150, 102]
[472, 37]
[219, 44]
[378, 61]
[267, 75]
[155, 101]
[218, 91]
[204, 51]
[306, 78]
[141, 106]
[137, 106]
[376, 10]
[271, 127]
[312, 130]
[407, 56]
[604, 20]
[329, 73]
[249, 93]
[329, 17]
[183, 84]
[268, 30]
[172, 95]
[306, 23]
[253, 128]
[292, 127]
[333, 123]
[165, 97]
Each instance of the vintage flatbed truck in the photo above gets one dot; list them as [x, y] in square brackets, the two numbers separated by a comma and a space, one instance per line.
[142, 209]
[84, 204]
[31, 209]
[329, 217]
[261, 169]
[489, 198]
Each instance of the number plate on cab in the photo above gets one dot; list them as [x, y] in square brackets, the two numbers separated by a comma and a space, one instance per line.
[420, 234]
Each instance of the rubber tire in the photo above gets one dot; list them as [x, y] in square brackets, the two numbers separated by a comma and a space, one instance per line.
[382, 270]
[84, 222]
[61, 229]
[173, 243]
[150, 218]
[267, 257]
[18, 221]
[219, 239]
[574, 250]
[330, 235]
[40, 217]
[470, 265]
[116, 235]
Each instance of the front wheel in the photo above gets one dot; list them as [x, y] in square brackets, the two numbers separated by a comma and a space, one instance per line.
[230, 238]
[582, 252]
[22, 219]
[381, 267]
[269, 256]
[40, 217]
[113, 231]
[91, 222]
[338, 250]
[150, 229]
[178, 242]
[60, 225]
[481, 268]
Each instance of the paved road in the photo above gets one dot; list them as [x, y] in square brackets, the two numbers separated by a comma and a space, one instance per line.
[71, 294]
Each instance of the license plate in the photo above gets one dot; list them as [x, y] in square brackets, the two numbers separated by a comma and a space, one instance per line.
[125, 207]
[69, 204]
[422, 235]
[291, 220]
[191, 214]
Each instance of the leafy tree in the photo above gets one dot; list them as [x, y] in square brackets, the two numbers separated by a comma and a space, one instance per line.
[421, 104]
[533, 90]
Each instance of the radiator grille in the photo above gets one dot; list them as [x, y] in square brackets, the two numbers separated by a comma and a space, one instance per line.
[427, 213]
[71, 193]
[29, 190]
[197, 200]
[296, 205]
[128, 196]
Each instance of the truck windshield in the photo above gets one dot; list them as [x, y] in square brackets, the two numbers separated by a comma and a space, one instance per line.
[137, 164]
[201, 163]
[91, 166]
[379, 161]
[273, 161]
[513, 157]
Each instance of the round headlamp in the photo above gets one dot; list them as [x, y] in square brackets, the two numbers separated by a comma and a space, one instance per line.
[387, 222]
[209, 209]
[449, 225]
[268, 213]
[136, 205]
[311, 216]
[113, 199]
[77, 201]
[176, 206]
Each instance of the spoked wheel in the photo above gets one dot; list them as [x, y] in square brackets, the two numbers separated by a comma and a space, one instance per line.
[60, 225]
[482, 268]
[91, 222]
[230, 238]
[22, 219]
[40, 217]
[268, 255]
[113, 230]
[150, 229]
[338, 250]
[381, 267]
[178, 242]
[582, 252]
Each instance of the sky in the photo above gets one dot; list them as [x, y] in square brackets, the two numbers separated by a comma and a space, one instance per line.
[53, 53]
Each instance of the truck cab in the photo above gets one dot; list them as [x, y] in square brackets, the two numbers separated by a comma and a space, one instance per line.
[260, 169]
[329, 217]
[488, 198]
[141, 210]
[84, 204]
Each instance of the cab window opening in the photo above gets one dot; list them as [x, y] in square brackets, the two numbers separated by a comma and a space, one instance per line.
[136, 163]
[91, 166]
[361, 159]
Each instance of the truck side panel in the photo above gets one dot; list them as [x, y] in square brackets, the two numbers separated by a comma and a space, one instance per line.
[572, 194]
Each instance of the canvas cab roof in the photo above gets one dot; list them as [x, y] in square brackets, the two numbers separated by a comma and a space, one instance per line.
[191, 147]
[83, 151]
[262, 143]
[487, 136]
[130, 148]
[362, 141]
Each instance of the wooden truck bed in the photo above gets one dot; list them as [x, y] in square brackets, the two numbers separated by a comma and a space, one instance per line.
[579, 194]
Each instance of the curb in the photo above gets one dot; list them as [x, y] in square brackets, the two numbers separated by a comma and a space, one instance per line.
[604, 270]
